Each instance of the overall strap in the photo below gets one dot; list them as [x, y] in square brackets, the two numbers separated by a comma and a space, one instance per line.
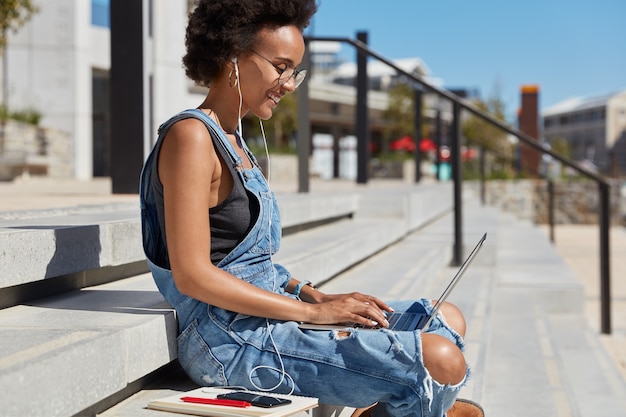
[216, 133]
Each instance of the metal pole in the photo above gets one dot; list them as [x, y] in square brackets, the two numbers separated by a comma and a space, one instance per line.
[304, 128]
[455, 160]
[335, 131]
[362, 123]
[127, 95]
[417, 155]
[483, 176]
[438, 144]
[605, 268]
[551, 208]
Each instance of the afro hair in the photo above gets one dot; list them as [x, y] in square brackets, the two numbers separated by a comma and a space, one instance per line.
[219, 30]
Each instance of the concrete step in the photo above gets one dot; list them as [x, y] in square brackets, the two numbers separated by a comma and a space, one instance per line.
[531, 349]
[528, 340]
[63, 354]
[97, 341]
[321, 253]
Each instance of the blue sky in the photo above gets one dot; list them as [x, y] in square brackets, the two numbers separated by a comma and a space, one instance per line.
[568, 47]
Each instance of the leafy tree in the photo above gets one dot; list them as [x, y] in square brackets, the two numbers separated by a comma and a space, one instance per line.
[13, 15]
[562, 147]
[284, 121]
[483, 133]
[400, 112]
[400, 115]
[493, 139]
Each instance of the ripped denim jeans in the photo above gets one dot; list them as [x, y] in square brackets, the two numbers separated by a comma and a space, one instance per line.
[352, 367]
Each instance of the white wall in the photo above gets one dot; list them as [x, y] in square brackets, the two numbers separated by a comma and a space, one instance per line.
[171, 86]
[50, 62]
[49, 70]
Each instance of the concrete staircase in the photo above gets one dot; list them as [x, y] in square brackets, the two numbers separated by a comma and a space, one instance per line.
[83, 326]
[85, 332]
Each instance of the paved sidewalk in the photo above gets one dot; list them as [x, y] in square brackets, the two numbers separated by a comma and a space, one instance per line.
[45, 193]
[579, 247]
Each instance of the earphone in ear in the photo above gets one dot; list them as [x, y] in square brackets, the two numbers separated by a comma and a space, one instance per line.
[234, 61]
[238, 83]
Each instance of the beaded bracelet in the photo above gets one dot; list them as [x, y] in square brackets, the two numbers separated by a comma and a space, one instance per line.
[299, 287]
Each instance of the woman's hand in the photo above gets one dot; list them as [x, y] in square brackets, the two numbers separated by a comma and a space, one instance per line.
[353, 308]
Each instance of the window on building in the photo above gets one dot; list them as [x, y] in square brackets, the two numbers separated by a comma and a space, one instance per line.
[100, 13]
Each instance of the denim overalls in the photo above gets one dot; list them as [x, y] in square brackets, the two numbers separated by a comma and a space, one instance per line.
[218, 347]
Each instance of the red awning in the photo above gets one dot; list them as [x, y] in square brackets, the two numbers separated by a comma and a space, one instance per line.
[427, 145]
[405, 143]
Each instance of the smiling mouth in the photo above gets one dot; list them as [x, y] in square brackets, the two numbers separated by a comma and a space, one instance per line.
[275, 98]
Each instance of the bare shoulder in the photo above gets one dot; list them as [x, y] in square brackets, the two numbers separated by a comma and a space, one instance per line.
[188, 149]
[189, 132]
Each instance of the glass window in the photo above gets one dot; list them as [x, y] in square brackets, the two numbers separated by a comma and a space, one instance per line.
[100, 13]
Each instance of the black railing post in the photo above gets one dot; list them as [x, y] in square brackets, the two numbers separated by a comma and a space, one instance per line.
[128, 96]
[304, 128]
[455, 160]
[417, 155]
[335, 131]
[362, 123]
[605, 267]
[483, 175]
[551, 208]
[438, 137]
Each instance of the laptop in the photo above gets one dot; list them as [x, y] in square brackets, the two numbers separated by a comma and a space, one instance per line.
[415, 318]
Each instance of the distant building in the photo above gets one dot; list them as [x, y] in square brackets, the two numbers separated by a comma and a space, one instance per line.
[59, 65]
[594, 127]
[382, 76]
[324, 59]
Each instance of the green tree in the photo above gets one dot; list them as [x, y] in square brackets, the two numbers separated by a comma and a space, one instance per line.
[562, 147]
[491, 138]
[13, 15]
[284, 121]
[400, 115]
[483, 133]
[400, 112]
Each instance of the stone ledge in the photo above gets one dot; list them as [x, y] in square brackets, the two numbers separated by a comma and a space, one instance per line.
[90, 341]
[50, 243]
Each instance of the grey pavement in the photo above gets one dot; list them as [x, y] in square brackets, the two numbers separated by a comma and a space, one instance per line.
[525, 320]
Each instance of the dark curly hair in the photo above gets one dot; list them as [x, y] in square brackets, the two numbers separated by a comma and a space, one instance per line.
[219, 30]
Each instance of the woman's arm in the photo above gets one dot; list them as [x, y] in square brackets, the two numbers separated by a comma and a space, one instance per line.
[193, 181]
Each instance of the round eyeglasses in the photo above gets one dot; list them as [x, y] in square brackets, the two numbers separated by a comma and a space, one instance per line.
[285, 74]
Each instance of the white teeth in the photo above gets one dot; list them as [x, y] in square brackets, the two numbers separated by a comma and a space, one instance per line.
[275, 99]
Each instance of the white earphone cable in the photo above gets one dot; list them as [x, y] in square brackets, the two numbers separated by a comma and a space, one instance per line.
[282, 371]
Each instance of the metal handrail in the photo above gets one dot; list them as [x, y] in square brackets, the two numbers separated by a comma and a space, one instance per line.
[464, 104]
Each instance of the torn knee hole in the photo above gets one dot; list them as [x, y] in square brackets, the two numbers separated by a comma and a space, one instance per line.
[342, 334]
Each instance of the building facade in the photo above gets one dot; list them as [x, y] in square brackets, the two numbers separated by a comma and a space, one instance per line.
[594, 128]
[58, 64]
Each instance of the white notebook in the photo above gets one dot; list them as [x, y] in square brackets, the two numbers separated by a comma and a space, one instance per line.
[175, 404]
